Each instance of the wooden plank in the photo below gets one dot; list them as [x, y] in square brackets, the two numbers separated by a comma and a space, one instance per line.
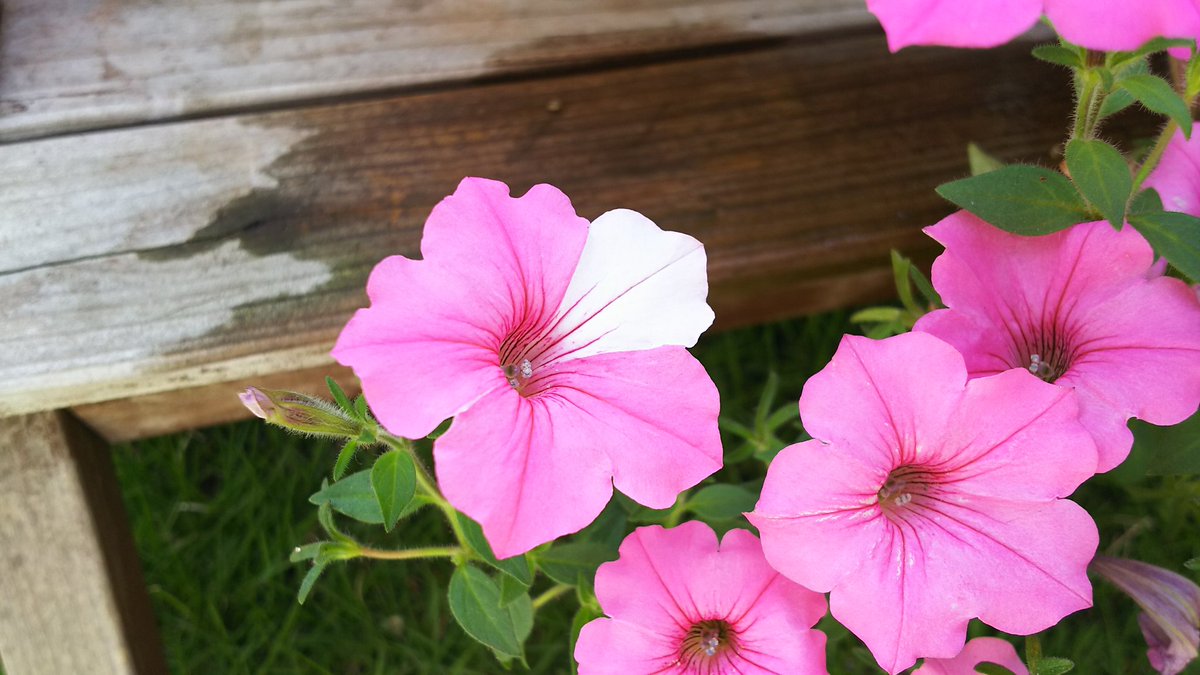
[74, 599]
[799, 167]
[67, 65]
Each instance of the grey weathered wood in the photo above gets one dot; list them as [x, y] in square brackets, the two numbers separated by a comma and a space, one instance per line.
[80, 64]
[235, 248]
[73, 596]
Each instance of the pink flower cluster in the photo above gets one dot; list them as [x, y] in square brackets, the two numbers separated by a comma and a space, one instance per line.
[1106, 25]
[934, 491]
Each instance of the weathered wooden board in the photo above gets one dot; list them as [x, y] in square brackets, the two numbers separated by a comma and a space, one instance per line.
[74, 599]
[799, 166]
[82, 64]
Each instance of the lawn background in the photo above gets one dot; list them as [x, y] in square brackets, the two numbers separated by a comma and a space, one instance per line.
[216, 512]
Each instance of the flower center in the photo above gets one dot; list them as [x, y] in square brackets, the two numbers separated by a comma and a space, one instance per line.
[1048, 354]
[902, 486]
[706, 642]
[517, 373]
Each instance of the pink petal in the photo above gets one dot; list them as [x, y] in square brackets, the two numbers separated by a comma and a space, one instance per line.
[520, 468]
[1034, 450]
[653, 412]
[954, 23]
[818, 514]
[1122, 25]
[607, 647]
[636, 287]
[425, 348]
[865, 399]
[984, 350]
[1177, 176]
[980, 650]
[1142, 359]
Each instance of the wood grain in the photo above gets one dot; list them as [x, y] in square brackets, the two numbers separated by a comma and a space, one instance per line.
[74, 599]
[68, 65]
[798, 166]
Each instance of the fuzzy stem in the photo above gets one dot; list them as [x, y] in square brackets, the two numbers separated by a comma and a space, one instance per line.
[410, 554]
[1156, 153]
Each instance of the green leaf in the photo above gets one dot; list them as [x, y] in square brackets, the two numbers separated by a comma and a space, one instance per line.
[1192, 564]
[980, 161]
[922, 283]
[1054, 665]
[876, 315]
[1146, 201]
[1173, 450]
[568, 563]
[352, 496]
[1102, 176]
[989, 668]
[1026, 200]
[511, 589]
[339, 395]
[360, 408]
[1158, 44]
[344, 457]
[517, 567]
[306, 552]
[325, 518]
[1058, 55]
[475, 604]
[306, 585]
[1158, 96]
[394, 481]
[1115, 103]
[900, 267]
[1174, 236]
[722, 502]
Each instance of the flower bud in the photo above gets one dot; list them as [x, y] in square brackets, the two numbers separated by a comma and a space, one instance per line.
[300, 412]
[1171, 622]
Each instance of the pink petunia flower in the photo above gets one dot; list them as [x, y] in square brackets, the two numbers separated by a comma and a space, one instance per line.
[557, 346]
[679, 605]
[1106, 25]
[1171, 620]
[1177, 176]
[928, 499]
[1077, 309]
[980, 650]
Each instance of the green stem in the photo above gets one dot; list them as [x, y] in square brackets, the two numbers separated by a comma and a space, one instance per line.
[550, 594]
[1156, 153]
[1084, 107]
[676, 513]
[428, 486]
[1033, 653]
[410, 554]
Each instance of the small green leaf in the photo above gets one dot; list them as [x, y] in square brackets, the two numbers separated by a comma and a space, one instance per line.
[1026, 200]
[1158, 96]
[339, 395]
[344, 458]
[722, 502]
[517, 567]
[1173, 450]
[394, 481]
[900, 267]
[1158, 44]
[1102, 176]
[980, 161]
[325, 518]
[306, 585]
[360, 408]
[1192, 564]
[475, 604]
[1054, 665]
[989, 668]
[876, 315]
[1174, 236]
[353, 496]
[1147, 201]
[1058, 55]
[922, 283]
[568, 563]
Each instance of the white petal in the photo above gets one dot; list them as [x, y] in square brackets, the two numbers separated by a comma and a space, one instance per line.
[636, 287]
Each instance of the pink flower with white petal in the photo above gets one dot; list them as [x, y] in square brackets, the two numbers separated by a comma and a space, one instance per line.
[1177, 176]
[681, 605]
[1079, 308]
[1106, 25]
[559, 349]
[980, 650]
[926, 499]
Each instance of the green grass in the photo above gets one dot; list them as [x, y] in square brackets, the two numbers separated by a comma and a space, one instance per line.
[215, 514]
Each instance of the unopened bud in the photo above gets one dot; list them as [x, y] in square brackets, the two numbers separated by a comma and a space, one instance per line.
[1171, 623]
[300, 412]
